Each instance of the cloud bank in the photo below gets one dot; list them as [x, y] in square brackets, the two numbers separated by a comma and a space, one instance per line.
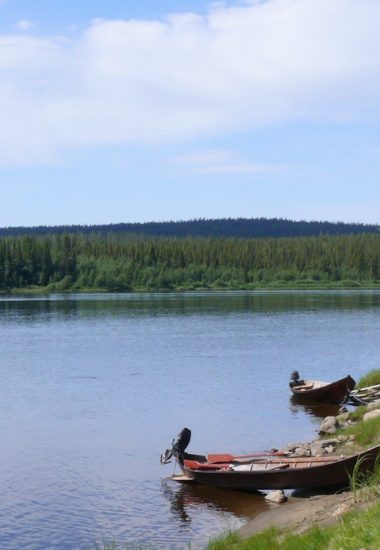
[188, 76]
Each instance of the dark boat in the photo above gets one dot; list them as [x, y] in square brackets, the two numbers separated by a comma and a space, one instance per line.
[328, 392]
[271, 472]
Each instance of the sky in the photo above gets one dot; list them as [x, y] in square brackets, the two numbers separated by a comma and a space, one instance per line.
[125, 111]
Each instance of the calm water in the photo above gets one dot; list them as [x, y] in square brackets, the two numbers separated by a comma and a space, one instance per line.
[94, 387]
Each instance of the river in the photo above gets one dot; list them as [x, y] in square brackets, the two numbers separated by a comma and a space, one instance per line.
[93, 387]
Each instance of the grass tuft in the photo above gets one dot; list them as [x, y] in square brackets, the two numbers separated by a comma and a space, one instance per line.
[358, 413]
[365, 485]
[370, 379]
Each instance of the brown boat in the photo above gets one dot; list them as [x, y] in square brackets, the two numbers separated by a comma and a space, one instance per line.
[255, 473]
[281, 473]
[329, 392]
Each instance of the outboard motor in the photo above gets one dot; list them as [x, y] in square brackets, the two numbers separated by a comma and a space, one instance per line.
[295, 379]
[179, 444]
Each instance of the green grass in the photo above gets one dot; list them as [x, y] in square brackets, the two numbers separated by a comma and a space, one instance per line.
[365, 485]
[356, 530]
[366, 434]
[358, 413]
[370, 379]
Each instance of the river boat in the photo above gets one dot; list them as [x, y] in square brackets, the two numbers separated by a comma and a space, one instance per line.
[328, 392]
[270, 472]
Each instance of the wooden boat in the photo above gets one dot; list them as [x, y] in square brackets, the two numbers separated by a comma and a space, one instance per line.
[250, 473]
[329, 392]
[282, 473]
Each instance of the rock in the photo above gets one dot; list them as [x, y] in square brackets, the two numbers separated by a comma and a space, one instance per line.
[342, 438]
[371, 414]
[316, 448]
[343, 417]
[291, 447]
[322, 446]
[329, 425]
[328, 442]
[276, 496]
[300, 452]
[374, 405]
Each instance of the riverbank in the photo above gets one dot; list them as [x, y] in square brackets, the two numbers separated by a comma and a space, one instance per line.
[302, 521]
[347, 525]
[280, 285]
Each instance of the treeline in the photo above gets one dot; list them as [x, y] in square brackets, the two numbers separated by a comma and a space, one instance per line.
[228, 227]
[77, 261]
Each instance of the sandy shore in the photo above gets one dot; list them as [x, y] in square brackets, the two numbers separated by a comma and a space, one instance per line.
[300, 514]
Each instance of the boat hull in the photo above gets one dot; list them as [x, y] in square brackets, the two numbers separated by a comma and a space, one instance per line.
[329, 474]
[335, 392]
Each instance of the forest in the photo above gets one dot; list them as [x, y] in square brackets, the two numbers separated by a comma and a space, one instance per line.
[226, 227]
[116, 262]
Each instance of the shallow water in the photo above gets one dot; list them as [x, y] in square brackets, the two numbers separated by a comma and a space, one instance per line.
[94, 387]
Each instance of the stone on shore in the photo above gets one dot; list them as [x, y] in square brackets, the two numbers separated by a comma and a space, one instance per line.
[300, 452]
[371, 414]
[323, 446]
[343, 417]
[276, 496]
[329, 425]
[374, 405]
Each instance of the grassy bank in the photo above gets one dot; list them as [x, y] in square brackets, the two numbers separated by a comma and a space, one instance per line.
[357, 529]
[370, 379]
[280, 285]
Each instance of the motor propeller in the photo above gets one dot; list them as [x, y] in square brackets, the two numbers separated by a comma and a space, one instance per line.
[179, 444]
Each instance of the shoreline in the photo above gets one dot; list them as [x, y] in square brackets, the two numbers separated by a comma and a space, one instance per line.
[356, 286]
[298, 514]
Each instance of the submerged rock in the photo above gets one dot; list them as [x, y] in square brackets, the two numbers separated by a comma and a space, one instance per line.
[276, 496]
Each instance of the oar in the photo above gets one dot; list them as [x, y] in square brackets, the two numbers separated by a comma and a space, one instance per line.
[225, 457]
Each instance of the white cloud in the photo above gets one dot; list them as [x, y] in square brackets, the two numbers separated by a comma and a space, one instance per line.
[238, 68]
[222, 161]
[24, 25]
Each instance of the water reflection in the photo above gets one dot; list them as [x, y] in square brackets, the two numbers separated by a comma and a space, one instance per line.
[182, 303]
[38, 310]
[316, 409]
[184, 498]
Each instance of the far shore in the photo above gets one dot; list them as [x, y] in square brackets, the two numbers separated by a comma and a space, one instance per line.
[301, 285]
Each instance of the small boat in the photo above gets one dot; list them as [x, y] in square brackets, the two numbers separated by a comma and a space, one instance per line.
[181, 442]
[328, 392]
[272, 472]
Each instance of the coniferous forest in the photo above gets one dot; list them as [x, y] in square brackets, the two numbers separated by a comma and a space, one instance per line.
[119, 262]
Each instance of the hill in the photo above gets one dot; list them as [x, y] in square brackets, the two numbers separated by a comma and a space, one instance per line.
[227, 227]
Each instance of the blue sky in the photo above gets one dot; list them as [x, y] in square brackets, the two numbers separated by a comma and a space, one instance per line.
[126, 111]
